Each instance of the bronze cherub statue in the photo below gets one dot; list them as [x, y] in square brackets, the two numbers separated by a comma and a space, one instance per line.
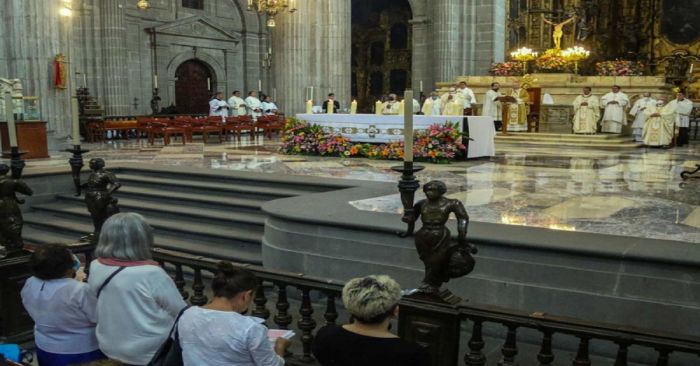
[443, 257]
[99, 199]
[11, 220]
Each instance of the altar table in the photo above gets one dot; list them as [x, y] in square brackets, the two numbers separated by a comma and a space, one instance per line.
[373, 128]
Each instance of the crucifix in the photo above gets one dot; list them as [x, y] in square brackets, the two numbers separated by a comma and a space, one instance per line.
[558, 30]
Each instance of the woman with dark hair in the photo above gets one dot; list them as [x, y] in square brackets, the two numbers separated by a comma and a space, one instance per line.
[219, 334]
[62, 309]
[373, 301]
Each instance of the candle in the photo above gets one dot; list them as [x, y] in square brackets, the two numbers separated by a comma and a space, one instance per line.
[208, 84]
[155, 81]
[353, 107]
[402, 105]
[12, 130]
[428, 107]
[378, 108]
[85, 80]
[274, 94]
[331, 106]
[408, 127]
[691, 69]
[421, 86]
[259, 85]
[75, 111]
[309, 106]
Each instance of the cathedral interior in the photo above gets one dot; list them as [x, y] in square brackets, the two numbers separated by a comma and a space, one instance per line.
[537, 203]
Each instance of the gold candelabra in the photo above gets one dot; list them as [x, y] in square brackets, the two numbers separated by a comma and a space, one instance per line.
[143, 4]
[524, 55]
[575, 54]
[272, 8]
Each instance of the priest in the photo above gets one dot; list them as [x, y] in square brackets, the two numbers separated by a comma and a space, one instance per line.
[432, 105]
[254, 105]
[468, 97]
[682, 108]
[615, 104]
[586, 112]
[658, 128]
[451, 94]
[218, 107]
[517, 112]
[454, 106]
[640, 117]
[236, 104]
[492, 105]
[391, 106]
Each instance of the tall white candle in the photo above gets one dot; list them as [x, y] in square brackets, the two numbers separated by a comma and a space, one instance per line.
[75, 115]
[208, 83]
[421, 86]
[10, 116]
[155, 81]
[259, 85]
[408, 126]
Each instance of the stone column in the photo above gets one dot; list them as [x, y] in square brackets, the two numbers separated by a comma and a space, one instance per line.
[490, 34]
[312, 47]
[420, 56]
[115, 71]
[447, 39]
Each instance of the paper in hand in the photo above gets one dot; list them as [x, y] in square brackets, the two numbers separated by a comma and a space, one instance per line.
[273, 334]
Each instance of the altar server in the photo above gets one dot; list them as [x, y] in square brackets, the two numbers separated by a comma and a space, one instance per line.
[431, 106]
[658, 128]
[268, 106]
[682, 108]
[236, 104]
[492, 104]
[468, 97]
[254, 105]
[586, 112]
[391, 106]
[517, 112]
[639, 116]
[615, 104]
[217, 106]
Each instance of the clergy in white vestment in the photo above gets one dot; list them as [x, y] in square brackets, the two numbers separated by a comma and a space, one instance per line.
[659, 127]
[682, 107]
[391, 106]
[218, 107]
[452, 94]
[586, 112]
[236, 104]
[467, 96]
[453, 106]
[416, 106]
[640, 117]
[268, 106]
[492, 104]
[254, 105]
[432, 105]
[517, 112]
[615, 104]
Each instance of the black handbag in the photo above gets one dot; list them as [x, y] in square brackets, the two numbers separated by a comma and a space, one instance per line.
[170, 352]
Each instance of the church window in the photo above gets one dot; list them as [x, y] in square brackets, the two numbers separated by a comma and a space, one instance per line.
[399, 37]
[193, 4]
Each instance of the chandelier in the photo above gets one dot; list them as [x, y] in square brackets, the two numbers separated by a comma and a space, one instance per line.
[272, 8]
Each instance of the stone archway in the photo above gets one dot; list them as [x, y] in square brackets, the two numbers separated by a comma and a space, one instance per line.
[194, 80]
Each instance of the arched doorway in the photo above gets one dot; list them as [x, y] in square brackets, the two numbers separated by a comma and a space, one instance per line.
[193, 80]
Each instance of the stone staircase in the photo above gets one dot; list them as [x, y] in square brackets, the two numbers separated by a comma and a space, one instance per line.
[216, 216]
[599, 141]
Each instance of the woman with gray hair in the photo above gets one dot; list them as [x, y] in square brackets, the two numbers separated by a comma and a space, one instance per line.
[137, 302]
[373, 301]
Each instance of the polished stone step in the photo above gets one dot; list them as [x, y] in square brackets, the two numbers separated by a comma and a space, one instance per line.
[183, 198]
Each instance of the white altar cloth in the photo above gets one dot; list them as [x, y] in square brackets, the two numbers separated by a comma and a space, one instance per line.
[482, 132]
[373, 128]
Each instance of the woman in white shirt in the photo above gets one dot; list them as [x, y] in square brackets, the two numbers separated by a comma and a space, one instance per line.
[62, 308]
[218, 334]
[136, 307]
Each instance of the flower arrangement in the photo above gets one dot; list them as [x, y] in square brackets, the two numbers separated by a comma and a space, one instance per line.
[551, 62]
[619, 68]
[510, 68]
[437, 144]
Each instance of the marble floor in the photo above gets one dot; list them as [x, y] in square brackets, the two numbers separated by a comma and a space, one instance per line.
[635, 193]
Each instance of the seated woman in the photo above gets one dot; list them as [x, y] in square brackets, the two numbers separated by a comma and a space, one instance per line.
[373, 302]
[218, 334]
[62, 308]
[137, 302]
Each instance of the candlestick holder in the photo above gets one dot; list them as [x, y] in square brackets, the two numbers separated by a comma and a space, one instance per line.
[408, 185]
[17, 164]
[76, 165]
